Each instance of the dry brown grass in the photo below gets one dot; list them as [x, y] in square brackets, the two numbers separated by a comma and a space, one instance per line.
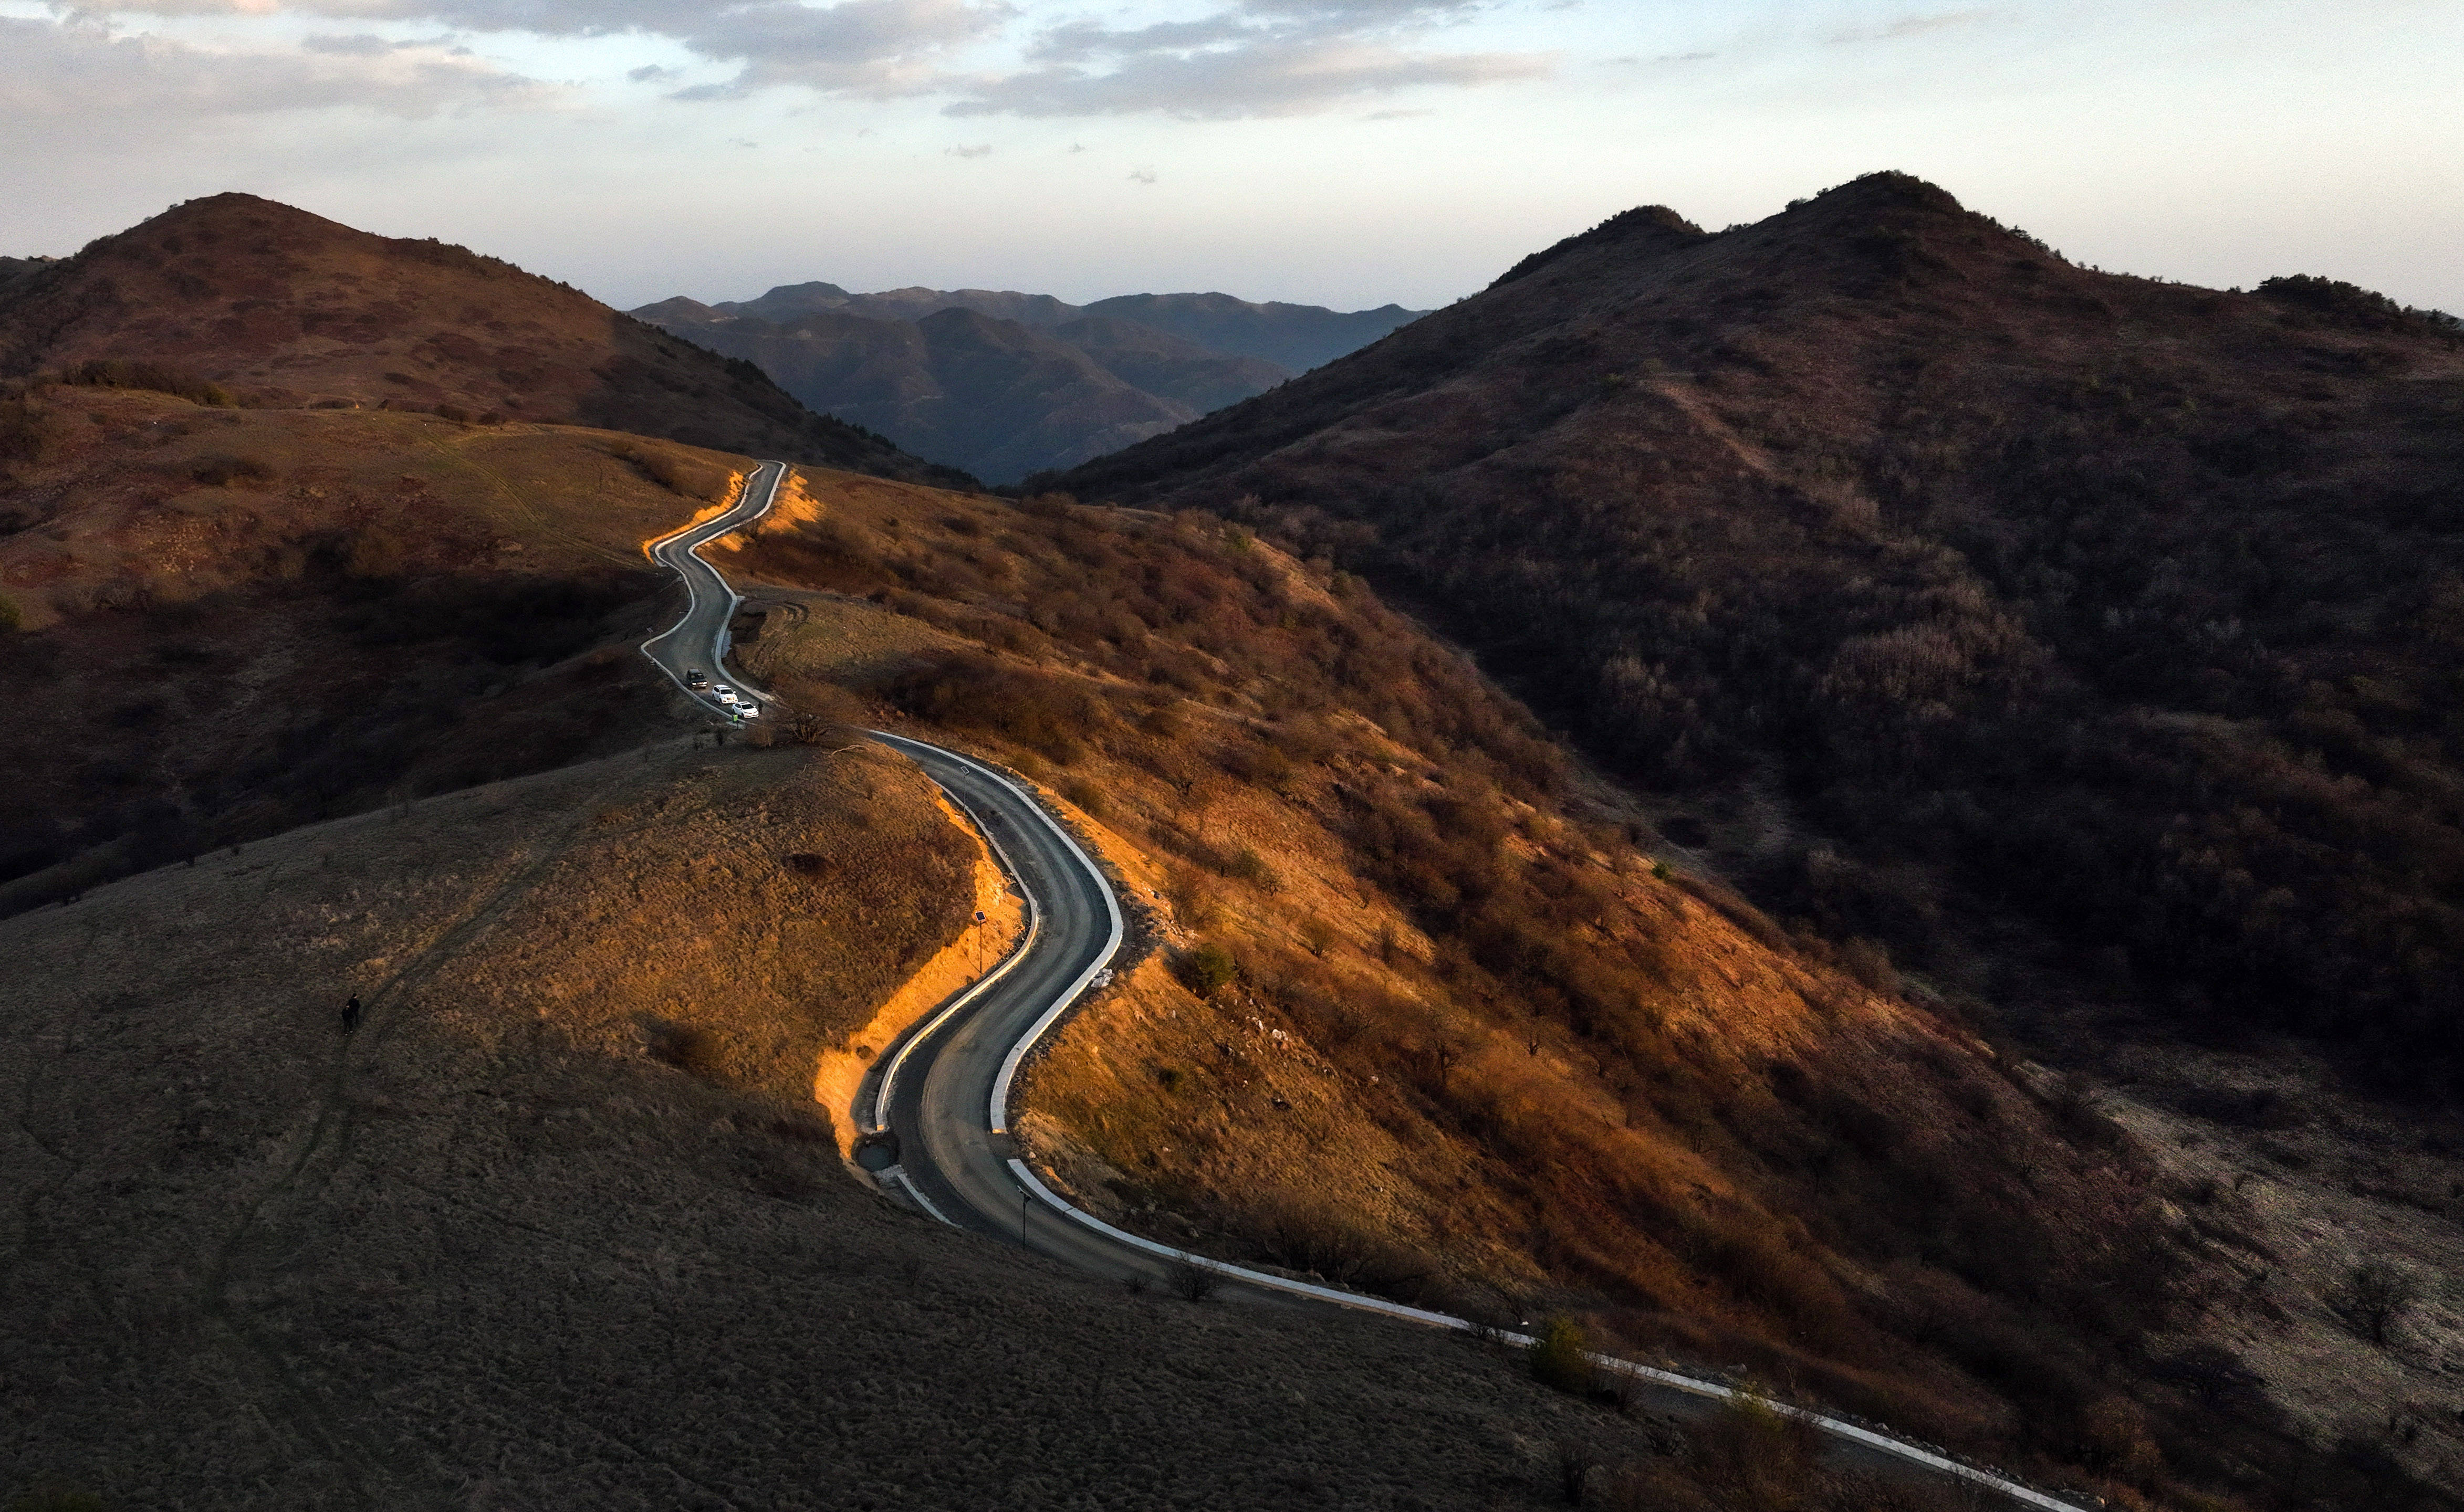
[1476, 1050]
[285, 309]
[495, 1249]
[378, 606]
[125, 520]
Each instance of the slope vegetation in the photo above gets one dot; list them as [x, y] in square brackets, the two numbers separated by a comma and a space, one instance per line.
[2067, 633]
[555, 1227]
[1416, 1014]
[283, 308]
[225, 623]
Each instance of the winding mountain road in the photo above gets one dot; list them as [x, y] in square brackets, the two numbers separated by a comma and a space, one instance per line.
[699, 642]
[935, 1105]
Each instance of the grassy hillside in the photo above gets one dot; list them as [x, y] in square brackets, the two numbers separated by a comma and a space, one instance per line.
[555, 1227]
[230, 621]
[282, 308]
[1421, 1015]
[2075, 636]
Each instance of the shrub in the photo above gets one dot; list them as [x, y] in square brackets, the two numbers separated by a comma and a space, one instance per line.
[12, 617]
[22, 432]
[1759, 1458]
[1192, 904]
[155, 377]
[1245, 865]
[1559, 1356]
[1191, 1282]
[1208, 969]
[1043, 714]
[224, 472]
[1317, 934]
[2374, 1295]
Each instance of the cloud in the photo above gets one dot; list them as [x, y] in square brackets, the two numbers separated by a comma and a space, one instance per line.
[871, 47]
[361, 45]
[1264, 79]
[1142, 175]
[1244, 57]
[1908, 27]
[981, 149]
[1255, 57]
[879, 47]
[59, 71]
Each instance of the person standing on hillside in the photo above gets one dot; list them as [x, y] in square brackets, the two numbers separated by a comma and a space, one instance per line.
[351, 1014]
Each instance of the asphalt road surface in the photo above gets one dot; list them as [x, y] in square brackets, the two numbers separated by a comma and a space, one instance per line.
[699, 642]
[941, 1093]
[934, 1106]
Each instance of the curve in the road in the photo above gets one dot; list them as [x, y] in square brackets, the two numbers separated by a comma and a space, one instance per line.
[941, 1094]
[699, 640]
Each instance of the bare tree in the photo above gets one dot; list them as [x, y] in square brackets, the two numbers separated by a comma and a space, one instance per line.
[1192, 1282]
[2375, 1294]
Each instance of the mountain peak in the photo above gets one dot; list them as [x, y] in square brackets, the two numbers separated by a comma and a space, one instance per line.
[1888, 189]
[1649, 230]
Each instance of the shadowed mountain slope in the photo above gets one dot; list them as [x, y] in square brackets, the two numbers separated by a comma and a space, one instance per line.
[1166, 366]
[990, 395]
[1298, 336]
[2071, 633]
[285, 308]
[216, 624]
[1004, 383]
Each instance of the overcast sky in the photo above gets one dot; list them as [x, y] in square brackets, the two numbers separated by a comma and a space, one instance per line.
[1346, 152]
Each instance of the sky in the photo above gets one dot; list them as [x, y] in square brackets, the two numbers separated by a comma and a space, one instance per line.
[1342, 152]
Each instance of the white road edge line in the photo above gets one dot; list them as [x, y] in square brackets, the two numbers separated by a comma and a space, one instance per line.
[1246, 1277]
[907, 1184]
[997, 1117]
[1028, 1179]
[692, 593]
[879, 1118]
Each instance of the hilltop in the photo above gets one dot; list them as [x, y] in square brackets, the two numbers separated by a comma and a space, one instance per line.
[285, 309]
[1291, 337]
[2086, 640]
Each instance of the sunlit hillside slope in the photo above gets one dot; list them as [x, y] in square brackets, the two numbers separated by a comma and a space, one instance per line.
[1420, 1015]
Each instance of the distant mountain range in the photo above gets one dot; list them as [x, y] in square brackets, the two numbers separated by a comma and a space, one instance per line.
[1004, 383]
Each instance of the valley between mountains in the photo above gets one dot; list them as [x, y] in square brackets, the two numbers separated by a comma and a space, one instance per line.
[1434, 985]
